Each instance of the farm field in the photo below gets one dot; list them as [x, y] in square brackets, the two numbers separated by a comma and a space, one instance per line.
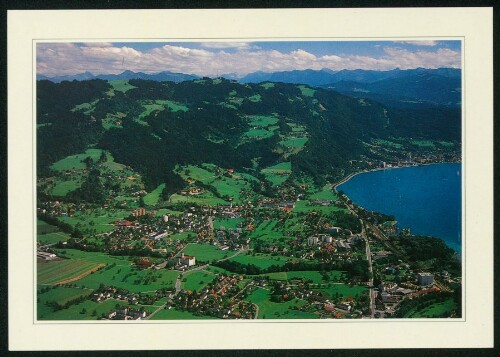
[57, 271]
[129, 277]
[205, 252]
[267, 231]
[196, 280]
[273, 310]
[305, 207]
[205, 198]
[50, 238]
[262, 261]
[315, 276]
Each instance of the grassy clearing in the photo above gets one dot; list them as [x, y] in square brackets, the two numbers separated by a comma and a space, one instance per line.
[227, 223]
[62, 295]
[113, 120]
[86, 108]
[153, 197]
[282, 167]
[262, 120]
[277, 174]
[438, 309]
[272, 310]
[87, 310]
[293, 142]
[127, 276]
[205, 198]
[267, 85]
[225, 185]
[62, 188]
[196, 280]
[43, 227]
[98, 220]
[315, 276]
[447, 144]
[388, 143]
[267, 231]
[53, 272]
[169, 212]
[306, 91]
[423, 143]
[173, 106]
[325, 194]
[262, 261]
[55, 237]
[305, 207]
[296, 128]
[255, 98]
[205, 252]
[121, 85]
[75, 162]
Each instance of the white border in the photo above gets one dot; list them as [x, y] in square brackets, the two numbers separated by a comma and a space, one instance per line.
[474, 24]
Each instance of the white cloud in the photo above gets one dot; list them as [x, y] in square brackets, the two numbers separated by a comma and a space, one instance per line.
[68, 58]
[420, 42]
[238, 45]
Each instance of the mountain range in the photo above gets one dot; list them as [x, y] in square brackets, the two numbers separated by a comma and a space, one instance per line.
[411, 88]
[160, 77]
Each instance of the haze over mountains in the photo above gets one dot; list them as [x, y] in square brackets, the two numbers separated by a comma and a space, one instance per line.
[411, 88]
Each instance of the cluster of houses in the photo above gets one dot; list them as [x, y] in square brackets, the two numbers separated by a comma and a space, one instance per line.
[127, 313]
[222, 298]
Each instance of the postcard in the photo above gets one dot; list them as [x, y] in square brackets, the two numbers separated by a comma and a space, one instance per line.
[251, 174]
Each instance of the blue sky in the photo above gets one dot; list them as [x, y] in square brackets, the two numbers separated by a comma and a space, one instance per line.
[241, 58]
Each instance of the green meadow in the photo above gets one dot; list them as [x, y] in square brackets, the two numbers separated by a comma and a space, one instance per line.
[75, 162]
[205, 252]
[273, 310]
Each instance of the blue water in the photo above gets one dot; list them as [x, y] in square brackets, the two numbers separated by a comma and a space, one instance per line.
[426, 199]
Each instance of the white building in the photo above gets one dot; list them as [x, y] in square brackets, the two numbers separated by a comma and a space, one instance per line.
[312, 240]
[186, 260]
[425, 279]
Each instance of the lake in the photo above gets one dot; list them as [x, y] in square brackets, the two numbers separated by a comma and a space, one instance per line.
[426, 199]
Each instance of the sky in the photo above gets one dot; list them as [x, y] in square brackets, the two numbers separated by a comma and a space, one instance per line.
[241, 58]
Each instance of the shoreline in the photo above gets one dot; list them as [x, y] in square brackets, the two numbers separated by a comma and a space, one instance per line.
[458, 252]
[351, 175]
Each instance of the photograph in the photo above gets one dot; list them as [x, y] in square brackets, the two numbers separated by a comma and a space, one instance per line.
[249, 180]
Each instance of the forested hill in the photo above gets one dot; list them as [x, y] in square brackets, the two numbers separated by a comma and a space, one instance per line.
[153, 126]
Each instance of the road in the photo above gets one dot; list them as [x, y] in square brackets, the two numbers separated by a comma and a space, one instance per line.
[369, 258]
[178, 281]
